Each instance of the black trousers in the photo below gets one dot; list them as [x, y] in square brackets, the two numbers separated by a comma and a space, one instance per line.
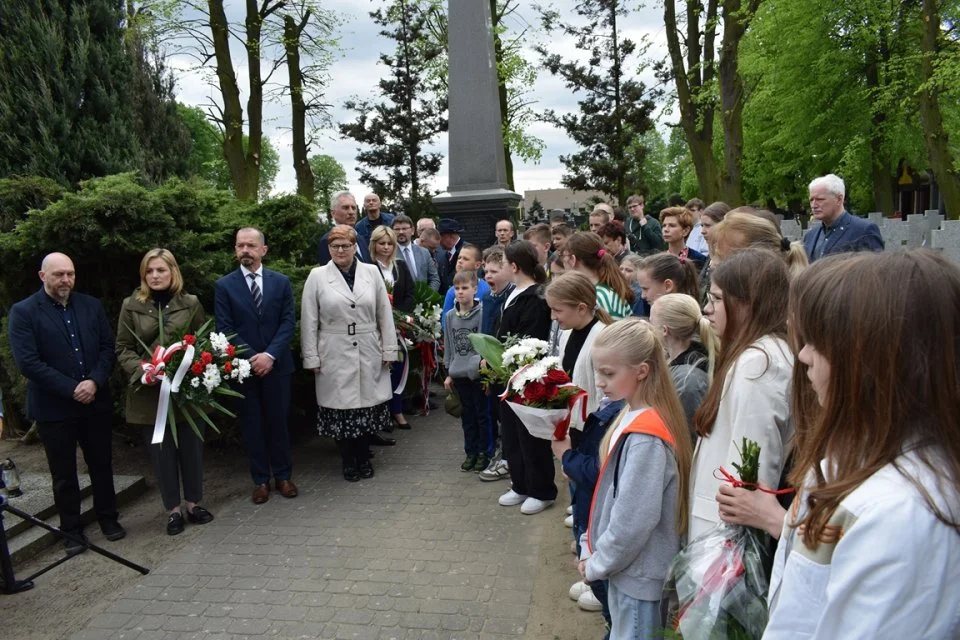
[172, 463]
[264, 412]
[60, 440]
[530, 459]
[353, 451]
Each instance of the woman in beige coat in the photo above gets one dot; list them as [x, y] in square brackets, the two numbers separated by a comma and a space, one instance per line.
[348, 340]
[161, 292]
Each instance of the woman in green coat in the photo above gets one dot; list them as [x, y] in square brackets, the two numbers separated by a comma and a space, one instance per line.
[161, 291]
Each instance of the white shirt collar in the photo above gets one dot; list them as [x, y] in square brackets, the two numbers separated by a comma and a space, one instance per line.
[246, 272]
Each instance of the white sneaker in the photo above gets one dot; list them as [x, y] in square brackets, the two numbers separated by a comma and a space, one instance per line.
[570, 510]
[588, 602]
[496, 470]
[568, 522]
[532, 505]
[577, 589]
[511, 499]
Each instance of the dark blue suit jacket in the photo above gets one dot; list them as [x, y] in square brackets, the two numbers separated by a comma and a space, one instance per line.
[447, 265]
[323, 250]
[269, 332]
[852, 234]
[44, 355]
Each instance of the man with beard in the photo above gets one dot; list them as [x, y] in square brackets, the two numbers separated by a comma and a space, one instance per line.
[255, 306]
[64, 347]
[419, 261]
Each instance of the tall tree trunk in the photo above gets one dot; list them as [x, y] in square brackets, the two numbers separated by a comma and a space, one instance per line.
[620, 150]
[691, 78]
[938, 145]
[736, 19]
[301, 163]
[881, 178]
[254, 24]
[232, 117]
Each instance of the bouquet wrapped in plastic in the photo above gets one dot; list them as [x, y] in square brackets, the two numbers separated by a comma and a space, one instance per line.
[717, 585]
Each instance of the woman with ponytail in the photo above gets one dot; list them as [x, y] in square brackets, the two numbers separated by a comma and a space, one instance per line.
[584, 252]
[691, 346]
[639, 509]
[740, 230]
[525, 315]
[750, 397]
[665, 273]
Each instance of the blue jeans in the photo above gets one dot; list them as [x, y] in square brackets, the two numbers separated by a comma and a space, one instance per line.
[475, 420]
[633, 619]
[600, 589]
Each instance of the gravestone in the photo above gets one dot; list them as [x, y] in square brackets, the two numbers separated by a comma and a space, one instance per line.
[791, 230]
[899, 235]
[875, 217]
[947, 240]
[477, 195]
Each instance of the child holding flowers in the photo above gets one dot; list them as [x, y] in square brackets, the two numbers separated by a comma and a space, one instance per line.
[639, 506]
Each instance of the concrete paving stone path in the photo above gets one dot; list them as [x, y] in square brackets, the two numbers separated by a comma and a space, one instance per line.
[421, 551]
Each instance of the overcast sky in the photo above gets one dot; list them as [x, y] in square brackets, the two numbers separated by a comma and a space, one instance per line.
[357, 72]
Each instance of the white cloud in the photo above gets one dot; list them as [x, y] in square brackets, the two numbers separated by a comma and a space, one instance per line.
[356, 74]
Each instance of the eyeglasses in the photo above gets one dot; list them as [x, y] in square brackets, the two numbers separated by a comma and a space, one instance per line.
[341, 247]
[713, 298]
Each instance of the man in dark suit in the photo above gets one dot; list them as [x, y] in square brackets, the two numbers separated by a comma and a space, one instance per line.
[256, 305]
[343, 210]
[840, 231]
[423, 267]
[64, 347]
[448, 252]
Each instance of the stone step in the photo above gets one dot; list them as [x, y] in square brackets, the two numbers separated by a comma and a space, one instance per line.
[26, 540]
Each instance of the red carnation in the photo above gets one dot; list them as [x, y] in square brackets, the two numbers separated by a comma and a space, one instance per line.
[231, 350]
[206, 357]
[557, 376]
[197, 368]
[535, 392]
[552, 392]
[227, 367]
[190, 338]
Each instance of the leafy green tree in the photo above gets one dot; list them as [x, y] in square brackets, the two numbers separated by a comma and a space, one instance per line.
[395, 132]
[536, 209]
[616, 108]
[329, 177]
[66, 92]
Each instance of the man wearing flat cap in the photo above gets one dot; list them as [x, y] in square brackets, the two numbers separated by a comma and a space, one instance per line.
[448, 252]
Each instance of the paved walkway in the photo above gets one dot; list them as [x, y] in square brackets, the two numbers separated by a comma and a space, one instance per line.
[420, 551]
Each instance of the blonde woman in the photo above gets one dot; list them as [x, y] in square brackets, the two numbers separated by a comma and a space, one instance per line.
[691, 347]
[395, 273]
[161, 294]
[741, 230]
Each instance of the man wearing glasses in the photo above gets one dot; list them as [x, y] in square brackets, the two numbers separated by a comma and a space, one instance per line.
[643, 232]
[343, 210]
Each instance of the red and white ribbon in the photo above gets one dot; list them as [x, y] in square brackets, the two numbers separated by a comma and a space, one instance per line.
[155, 370]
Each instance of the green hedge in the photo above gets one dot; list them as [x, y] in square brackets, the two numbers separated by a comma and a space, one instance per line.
[109, 223]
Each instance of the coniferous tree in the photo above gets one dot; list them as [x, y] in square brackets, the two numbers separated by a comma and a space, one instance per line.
[616, 108]
[394, 132]
[66, 91]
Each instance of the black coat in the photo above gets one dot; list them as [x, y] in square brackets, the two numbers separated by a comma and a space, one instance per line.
[528, 316]
[403, 298]
[447, 265]
[44, 355]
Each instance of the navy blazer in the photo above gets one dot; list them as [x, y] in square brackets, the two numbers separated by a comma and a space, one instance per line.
[269, 332]
[447, 265]
[852, 234]
[323, 250]
[44, 355]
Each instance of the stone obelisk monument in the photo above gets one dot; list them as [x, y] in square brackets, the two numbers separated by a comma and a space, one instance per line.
[477, 195]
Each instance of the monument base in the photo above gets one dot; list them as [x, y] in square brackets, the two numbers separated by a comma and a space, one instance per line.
[478, 212]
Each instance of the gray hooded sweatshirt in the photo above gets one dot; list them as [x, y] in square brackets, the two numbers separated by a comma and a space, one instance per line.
[459, 356]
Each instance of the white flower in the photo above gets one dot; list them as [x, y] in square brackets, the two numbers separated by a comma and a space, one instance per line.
[219, 343]
[195, 383]
[211, 377]
[241, 369]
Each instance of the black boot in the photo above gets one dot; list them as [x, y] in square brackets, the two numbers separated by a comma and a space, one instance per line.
[349, 459]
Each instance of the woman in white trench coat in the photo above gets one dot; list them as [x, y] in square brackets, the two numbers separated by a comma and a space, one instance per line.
[348, 340]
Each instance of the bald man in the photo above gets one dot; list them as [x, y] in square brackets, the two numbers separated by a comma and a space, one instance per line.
[64, 347]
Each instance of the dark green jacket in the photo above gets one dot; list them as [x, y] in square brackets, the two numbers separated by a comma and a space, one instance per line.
[140, 318]
[647, 239]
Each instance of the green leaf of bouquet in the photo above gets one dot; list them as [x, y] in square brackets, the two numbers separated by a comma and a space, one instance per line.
[227, 391]
[203, 414]
[490, 349]
[222, 409]
[143, 344]
[423, 294]
[191, 422]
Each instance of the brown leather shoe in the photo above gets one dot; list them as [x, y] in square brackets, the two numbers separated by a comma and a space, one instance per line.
[261, 494]
[287, 489]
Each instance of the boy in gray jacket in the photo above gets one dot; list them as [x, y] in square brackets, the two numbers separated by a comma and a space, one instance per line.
[463, 370]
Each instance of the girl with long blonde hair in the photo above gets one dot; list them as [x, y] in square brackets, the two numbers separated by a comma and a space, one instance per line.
[639, 507]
